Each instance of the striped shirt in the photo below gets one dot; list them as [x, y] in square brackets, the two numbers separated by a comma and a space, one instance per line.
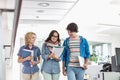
[74, 46]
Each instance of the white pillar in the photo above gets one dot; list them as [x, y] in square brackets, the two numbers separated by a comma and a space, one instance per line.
[2, 59]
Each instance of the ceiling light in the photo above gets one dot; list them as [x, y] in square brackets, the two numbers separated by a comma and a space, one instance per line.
[119, 14]
[37, 17]
[40, 11]
[114, 25]
[44, 4]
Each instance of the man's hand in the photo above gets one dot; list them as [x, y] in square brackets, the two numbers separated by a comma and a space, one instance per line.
[85, 66]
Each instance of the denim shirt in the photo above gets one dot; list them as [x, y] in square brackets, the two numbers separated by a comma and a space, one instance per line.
[50, 66]
[27, 69]
[84, 50]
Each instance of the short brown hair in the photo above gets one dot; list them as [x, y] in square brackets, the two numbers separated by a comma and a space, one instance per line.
[72, 27]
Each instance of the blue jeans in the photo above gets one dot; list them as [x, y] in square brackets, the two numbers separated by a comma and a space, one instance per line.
[75, 73]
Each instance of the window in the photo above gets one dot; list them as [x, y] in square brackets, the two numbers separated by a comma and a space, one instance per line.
[100, 52]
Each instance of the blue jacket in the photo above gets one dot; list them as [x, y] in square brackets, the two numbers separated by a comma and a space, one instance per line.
[84, 50]
[50, 66]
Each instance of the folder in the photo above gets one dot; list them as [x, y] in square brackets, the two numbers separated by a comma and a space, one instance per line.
[28, 53]
[81, 61]
[58, 50]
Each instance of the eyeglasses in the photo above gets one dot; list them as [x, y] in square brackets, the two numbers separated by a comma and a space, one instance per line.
[54, 36]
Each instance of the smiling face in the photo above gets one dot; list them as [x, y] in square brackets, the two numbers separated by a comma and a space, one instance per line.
[54, 37]
[30, 38]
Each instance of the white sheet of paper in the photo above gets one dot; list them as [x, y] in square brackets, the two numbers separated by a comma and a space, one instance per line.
[81, 61]
[32, 54]
[58, 50]
[29, 51]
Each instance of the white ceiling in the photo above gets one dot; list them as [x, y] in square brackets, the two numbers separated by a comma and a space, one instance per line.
[45, 10]
[101, 17]
[94, 17]
[97, 16]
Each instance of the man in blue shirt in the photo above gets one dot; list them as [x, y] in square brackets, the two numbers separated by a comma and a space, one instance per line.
[75, 46]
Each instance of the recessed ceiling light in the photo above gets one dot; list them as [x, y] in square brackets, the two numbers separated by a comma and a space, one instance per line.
[37, 16]
[44, 4]
[114, 25]
[115, 2]
[119, 14]
[40, 11]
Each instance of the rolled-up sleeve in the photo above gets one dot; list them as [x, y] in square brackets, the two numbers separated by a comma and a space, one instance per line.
[64, 52]
[20, 52]
[38, 52]
[87, 51]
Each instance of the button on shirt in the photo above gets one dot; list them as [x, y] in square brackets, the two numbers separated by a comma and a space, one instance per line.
[27, 69]
[50, 66]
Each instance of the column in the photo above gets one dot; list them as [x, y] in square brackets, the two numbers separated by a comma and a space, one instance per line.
[2, 59]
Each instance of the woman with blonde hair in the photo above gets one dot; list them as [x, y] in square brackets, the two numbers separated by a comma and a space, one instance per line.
[29, 56]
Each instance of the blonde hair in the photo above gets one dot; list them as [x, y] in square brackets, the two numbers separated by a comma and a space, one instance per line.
[28, 36]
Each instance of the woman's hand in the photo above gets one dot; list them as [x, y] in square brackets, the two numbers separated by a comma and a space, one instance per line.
[51, 55]
[33, 62]
[55, 57]
[29, 58]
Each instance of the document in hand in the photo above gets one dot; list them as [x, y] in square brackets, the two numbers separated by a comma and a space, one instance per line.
[81, 61]
[58, 50]
[28, 53]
